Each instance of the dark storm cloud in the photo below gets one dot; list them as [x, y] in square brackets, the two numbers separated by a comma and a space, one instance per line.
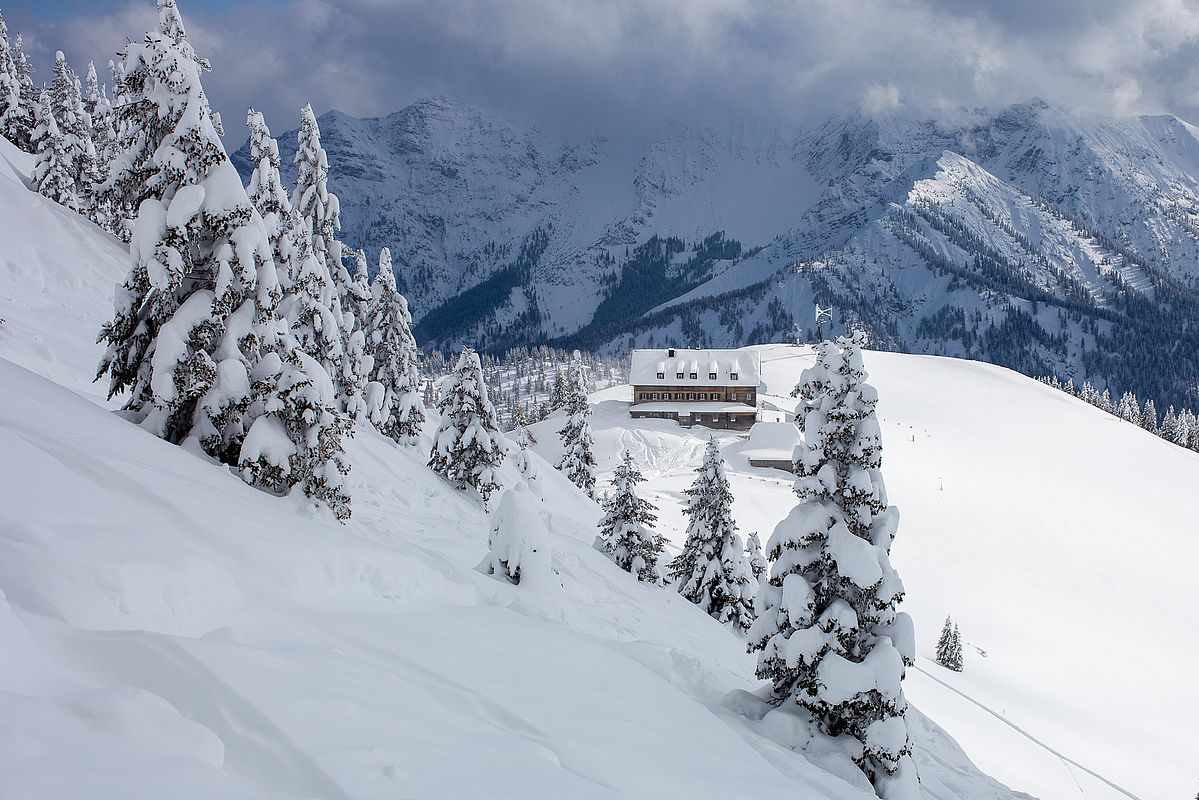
[621, 64]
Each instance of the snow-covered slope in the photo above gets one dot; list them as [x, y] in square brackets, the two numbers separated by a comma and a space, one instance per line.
[1056, 535]
[937, 233]
[165, 630]
[56, 268]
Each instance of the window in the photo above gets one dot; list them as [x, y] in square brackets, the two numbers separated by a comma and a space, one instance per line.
[661, 375]
[733, 376]
[653, 396]
[694, 375]
[679, 375]
[711, 376]
[690, 395]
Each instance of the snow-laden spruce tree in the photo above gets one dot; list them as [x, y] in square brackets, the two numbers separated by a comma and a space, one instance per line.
[312, 199]
[359, 297]
[949, 646]
[469, 447]
[98, 110]
[626, 532]
[829, 638]
[518, 542]
[1149, 416]
[559, 393]
[394, 397]
[757, 560]
[355, 298]
[271, 200]
[52, 170]
[195, 340]
[525, 464]
[16, 116]
[137, 170]
[29, 90]
[309, 298]
[712, 571]
[66, 99]
[578, 460]
[1129, 408]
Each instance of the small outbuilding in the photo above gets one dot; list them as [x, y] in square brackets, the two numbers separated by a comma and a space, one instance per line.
[772, 445]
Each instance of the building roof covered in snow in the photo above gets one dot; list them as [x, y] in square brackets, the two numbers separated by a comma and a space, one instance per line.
[678, 367]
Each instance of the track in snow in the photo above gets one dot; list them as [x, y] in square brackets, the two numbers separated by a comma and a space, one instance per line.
[1065, 759]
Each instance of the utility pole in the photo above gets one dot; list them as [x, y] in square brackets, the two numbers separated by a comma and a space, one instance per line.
[821, 315]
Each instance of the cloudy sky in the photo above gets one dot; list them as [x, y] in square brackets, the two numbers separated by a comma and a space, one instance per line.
[609, 64]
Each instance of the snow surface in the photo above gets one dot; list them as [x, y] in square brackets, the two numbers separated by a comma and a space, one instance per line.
[1056, 535]
[166, 630]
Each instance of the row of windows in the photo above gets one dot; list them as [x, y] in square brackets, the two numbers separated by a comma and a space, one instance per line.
[672, 415]
[734, 397]
[695, 376]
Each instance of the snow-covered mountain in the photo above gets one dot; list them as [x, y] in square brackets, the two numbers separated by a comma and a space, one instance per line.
[166, 630]
[1032, 236]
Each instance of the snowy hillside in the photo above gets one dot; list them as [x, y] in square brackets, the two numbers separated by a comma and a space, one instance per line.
[1050, 531]
[1032, 236]
[168, 630]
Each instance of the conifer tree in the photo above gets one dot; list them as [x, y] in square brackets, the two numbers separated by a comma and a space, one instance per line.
[949, 647]
[359, 293]
[67, 102]
[1088, 394]
[626, 534]
[116, 73]
[313, 309]
[559, 392]
[270, 199]
[195, 340]
[469, 447]
[397, 408]
[1149, 416]
[1129, 408]
[518, 541]
[356, 369]
[757, 560]
[578, 461]
[712, 571]
[312, 199]
[103, 136]
[829, 637]
[52, 170]
[524, 460]
[1182, 428]
[16, 115]
[29, 91]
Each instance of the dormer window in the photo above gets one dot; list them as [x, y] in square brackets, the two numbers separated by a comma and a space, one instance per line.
[679, 375]
[733, 376]
[711, 376]
[694, 375]
[661, 375]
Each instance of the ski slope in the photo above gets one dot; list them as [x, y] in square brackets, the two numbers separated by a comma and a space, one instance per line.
[1057, 536]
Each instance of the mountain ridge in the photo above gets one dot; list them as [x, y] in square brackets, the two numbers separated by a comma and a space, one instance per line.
[505, 235]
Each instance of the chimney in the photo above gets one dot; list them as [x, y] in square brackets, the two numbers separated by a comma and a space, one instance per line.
[670, 353]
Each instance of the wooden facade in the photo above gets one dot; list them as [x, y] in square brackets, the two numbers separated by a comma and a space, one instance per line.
[696, 394]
